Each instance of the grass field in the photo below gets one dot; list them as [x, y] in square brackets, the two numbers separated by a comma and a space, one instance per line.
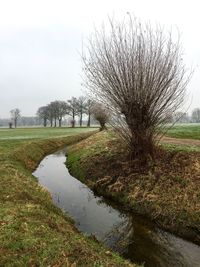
[39, 133]
[13, 138]
[190, 131]
[33, 232]
[186, 131]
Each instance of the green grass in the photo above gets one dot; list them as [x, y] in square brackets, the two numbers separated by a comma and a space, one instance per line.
[179, 148]
[39, 133]
[190, 131]
[33, 232]
[12, 138]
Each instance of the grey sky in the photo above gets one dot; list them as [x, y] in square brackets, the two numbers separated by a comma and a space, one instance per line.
[40, 40]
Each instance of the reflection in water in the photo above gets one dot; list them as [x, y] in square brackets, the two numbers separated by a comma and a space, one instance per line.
[141, 242]
[129, 235]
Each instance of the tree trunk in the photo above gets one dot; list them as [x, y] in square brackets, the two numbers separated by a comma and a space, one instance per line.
[55, 123]
[15, 122]
[88, 123]
[81, 119]
[51, 121]
[103, 126]
[72, 123]
[60, 122]
[142, 146]
[45, 122]
[73, 118]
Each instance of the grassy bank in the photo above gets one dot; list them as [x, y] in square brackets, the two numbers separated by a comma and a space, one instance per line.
[168, 193]
[33, 232]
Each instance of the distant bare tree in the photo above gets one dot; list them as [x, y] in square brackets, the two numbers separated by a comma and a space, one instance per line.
[15, 115]
[42, 113]
[62, 110]
[100, 114]
[73, 109]
[53, 107]
[55, 110]
[50, 112]
[81, 107]
[137, 71]
[88, 110]
[181, 117]
[196, 115]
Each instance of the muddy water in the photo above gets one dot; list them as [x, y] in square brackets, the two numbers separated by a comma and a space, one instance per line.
[131, 236]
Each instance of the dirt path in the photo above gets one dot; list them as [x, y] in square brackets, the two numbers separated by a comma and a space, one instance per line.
[178, 141]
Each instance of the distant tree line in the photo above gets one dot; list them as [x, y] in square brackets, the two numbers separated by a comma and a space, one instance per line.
[54, 112]
[195, 115]
[17, 120]
[85, 109]
[184, 117]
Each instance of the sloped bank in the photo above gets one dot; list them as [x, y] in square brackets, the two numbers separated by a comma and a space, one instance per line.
[168, 193]
[33, 231]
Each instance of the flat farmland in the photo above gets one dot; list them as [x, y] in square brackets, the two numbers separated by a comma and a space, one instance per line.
[185, 131]
[40, 133]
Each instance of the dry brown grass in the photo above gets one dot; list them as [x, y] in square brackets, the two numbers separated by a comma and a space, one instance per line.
[168, 192]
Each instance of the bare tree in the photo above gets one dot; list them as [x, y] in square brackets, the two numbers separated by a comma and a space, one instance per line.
[81, 107]
[196, 115]
[100, 114]
[181, 117]
[73, 109]
[15, 115]
[88, 110]
[53, 111]
[62, 110]
[42, 113]
[53, 108]
[50, 113]
[138, 73]
[58, 110]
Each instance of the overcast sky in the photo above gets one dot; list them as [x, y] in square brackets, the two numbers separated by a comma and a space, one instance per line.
[40, 41]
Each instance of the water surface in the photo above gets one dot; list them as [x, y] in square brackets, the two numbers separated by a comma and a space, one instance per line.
[131, 236]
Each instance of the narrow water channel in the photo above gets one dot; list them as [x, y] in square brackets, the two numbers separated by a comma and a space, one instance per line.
[131, 236]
